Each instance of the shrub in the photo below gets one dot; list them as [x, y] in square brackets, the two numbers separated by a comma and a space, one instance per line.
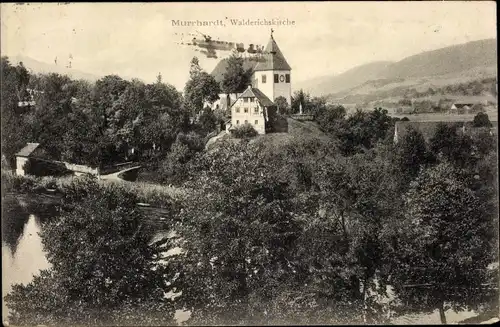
[481, 120]
[244, 131]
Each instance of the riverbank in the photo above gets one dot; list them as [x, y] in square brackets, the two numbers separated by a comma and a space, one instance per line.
[151, 194]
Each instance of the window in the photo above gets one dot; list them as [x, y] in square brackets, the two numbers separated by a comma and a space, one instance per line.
[264, 78]
[251, 99]
[276, 78]
[256, 110]
[256, 122]
[246, 110]
[237, 109]
[245, 99]
[287, 77]
[237, 122]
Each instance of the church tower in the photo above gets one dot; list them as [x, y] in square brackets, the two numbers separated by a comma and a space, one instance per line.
[272, 75]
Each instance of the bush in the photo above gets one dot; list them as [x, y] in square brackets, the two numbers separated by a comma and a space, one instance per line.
[481, 120]
[244, 131]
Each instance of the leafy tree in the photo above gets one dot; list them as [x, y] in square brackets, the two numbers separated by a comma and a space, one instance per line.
[444, 243]
[300, 97]
[207, 121]
[451, 145]
[481, 119]
[330, 118]
[239, 237]
[236, 79]
[362, 130]
[104, 269]
[282, 104]
[201, 88]
[16, 128]
[412, 155]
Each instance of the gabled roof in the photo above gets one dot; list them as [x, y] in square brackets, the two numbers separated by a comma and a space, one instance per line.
[27, 150]
[220, 69]
[274, 59]
[252, 92]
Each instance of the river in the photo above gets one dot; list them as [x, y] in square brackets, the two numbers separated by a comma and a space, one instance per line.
[23, 256]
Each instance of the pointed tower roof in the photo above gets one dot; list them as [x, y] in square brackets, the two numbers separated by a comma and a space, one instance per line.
[274, 58]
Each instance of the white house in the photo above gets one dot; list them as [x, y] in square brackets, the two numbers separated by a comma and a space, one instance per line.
[271, 78]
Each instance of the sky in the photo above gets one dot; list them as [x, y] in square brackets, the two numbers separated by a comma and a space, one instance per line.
[139, 39]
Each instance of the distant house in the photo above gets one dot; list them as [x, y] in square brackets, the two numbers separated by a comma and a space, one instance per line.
[465, 105]
[428, 128]
[461, 108]
[22, 157]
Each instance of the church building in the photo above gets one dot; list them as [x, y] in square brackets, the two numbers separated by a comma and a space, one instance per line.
[271, 79]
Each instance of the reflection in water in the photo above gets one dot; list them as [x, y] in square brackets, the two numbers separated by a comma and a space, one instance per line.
[14, 217]
[26, 261]
[23, 255]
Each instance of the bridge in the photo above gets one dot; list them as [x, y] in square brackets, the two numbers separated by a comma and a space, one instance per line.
[127, 174]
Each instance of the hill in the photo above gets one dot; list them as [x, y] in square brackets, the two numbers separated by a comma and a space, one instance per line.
[461, 63]
[296, 130]
[351, 78]
[39, 67]
[450, 60]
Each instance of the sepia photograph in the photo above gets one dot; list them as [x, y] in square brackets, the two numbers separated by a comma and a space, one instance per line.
[249, 163]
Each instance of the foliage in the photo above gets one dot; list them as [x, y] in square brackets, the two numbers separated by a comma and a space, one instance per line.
[15, 127]
[411, 155]
[207, 121]
[451, 145]
[481, 119]
[91, 278]
[443, 243]
[201, 88]
[236, 79]
[92, 124]
[362, 130]
[282, 104]
[244, 131]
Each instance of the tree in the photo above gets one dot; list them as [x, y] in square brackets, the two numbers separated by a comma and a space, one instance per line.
[412, 155]
[449, 144]
[300, 97]
[200, 89]
[104, 269]
[443, 245]
[282, 104]
[236, 79]
[330, 117]
[363, 129]
[481, 119]
[15, 123]
[238, 238]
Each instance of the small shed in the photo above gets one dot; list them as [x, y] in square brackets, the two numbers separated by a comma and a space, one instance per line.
[23, 156]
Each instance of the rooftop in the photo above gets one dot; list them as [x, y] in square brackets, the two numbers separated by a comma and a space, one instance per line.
[252, 92]
[27, 150]
[274, 58]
